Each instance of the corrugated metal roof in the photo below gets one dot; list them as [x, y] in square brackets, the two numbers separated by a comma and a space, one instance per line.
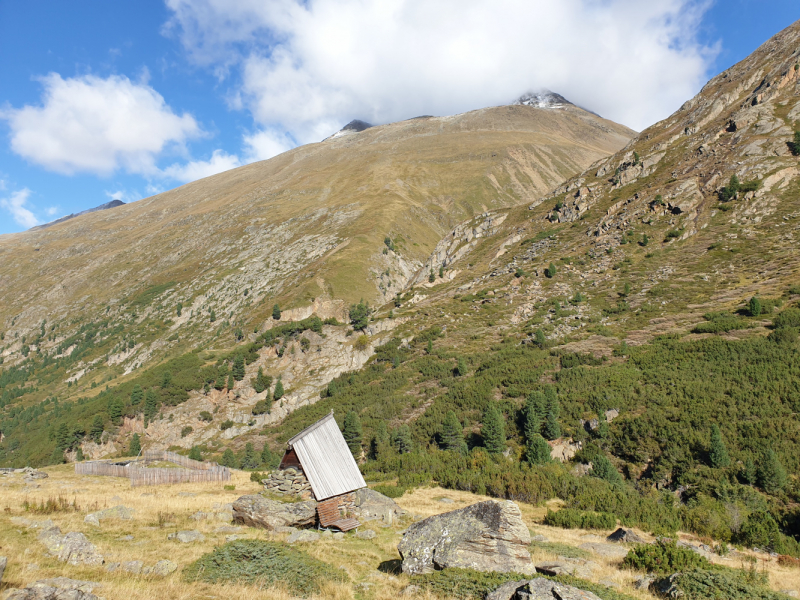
[327, 462]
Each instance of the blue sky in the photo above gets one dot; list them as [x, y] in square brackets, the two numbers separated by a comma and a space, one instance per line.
[125, 99]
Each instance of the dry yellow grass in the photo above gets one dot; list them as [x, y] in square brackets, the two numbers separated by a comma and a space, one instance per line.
[372, 565]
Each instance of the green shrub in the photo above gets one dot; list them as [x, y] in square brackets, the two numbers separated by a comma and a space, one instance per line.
[463, 584]
[575, 359]
[390, 491]
[226, 424]
[718, 322]
[263, 564]
[788, 318]
[569, 518]
[714, 585]
[664, 557]
[186, 431]
[205, 416]
[671, 235]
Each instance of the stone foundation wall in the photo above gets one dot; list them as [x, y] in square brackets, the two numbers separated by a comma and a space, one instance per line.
[288, 482]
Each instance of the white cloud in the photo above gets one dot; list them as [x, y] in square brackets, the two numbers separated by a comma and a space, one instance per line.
[52, 211]
[16, 205]
[94, 125]
[265, 144]
[220, 161]
[309, 67]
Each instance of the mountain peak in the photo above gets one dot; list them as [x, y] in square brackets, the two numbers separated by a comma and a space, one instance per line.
[105, 206]
[354, 126]
[542, 99]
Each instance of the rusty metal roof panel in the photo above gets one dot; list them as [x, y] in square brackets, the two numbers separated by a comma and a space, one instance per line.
[326, 460]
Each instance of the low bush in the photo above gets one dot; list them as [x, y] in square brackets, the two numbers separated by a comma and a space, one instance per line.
[708, 585]
[575, 359]
[568, 518]
[226, 424]
[663, 557]
[263, 564]
[720, 322]
[390, 491]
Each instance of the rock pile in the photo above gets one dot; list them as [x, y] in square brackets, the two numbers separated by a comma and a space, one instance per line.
[59, 588]
[288, 482]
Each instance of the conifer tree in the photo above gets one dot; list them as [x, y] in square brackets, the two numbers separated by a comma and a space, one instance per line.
[537, 450]
[771, 473]
[238, 367]
[62, 437]
[750, 472]
[539, 338]
[535, 412]
[352, 433]
[453, 434]
[278, 393]
[754, 307]
[551, 429]
[195, 453]
[380, 442]
[268, 459]
[276, 312]
[461, 367]
[96, 432]
[249, 459]
[79, 454]
[222, 376]
[136, 445]
[137, 394]
[228, 459]
[230, 383]
[718, 453]
[493, 430]
[114, 410]
[150, 406]
[604, 469]
[402, 439]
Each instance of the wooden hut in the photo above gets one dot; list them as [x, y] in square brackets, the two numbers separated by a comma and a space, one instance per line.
[321, 452]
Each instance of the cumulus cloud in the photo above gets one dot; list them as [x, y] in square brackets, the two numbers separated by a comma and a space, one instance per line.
[220, 161]
[265, 144]
[94, 125]
[16, 205]
[309, 67]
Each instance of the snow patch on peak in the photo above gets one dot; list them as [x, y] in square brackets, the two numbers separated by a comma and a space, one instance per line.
[354, 126]
[543, 99]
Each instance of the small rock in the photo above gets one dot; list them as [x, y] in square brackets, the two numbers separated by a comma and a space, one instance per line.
[327, 533]
[227, 529]
[73, 548]
[627, 536]
[339, 535]
[164, 568]
[111, 567]
[791, 593]
[233, 537]
[3, 563]
[643, 583]
[608, 583]
[283, 529]
[32, 567]
[116, 512]
[445, 500]
[411, 590]
[540, 538]
[133, 566]
[187, 536]
[303, 536]
[125, 538]
[147, 571]
[367, 534]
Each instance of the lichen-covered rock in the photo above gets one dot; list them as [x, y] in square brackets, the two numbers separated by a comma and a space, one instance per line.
[507, 591]
[371, 506]
[257, 511]
[73, 548]
[545, 589]
[59, 588]
[187, 536]
[164, 568]
[302, 537]
[487, 536]
[115, 512]
[627, 536]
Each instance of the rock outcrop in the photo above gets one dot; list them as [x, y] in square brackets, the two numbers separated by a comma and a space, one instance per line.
[539, 589]
[257, 511]
[487, 536]
[59, 588]
[73, 548]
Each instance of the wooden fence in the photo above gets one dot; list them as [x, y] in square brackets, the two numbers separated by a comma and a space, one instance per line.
[196, 472]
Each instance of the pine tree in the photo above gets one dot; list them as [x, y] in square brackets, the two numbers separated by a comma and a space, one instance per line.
[537, 450]
[79, 454]
[359, 315]
[115, 410]
[453, 434]
[136, 445]
[551, 429]
[718, 453]
[602, 468]
[278, 393]
[222, 376]
[754, 307]
[195, 453]
[150, 406]
[136, 395]
[771, 473]
[535, 412]
[539, 338]
[750, 472]
[228, 459]
[493, 431]
[62, 437]
[96, 432]
[166, 379]
[380, 442]
[261, 381]
[429, 348]
[352, 433]
[461, 367]
[276, 312]
[229, 384]
[402, 439]
[238, 367]
[249, 459]
[268, 459]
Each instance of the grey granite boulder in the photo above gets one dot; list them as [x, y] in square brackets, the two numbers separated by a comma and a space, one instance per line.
[116, 512]
[627, 536]
[371, 506]
[258, 511]
[544, 589]
[487, 536]
[164, 567]
[507, 591]
[605, 550]
[187, 536]
[303, 537]
[73, 548]
[59, 588]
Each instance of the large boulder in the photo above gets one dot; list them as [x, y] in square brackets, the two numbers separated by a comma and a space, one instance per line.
[371, 506]
[487, 536]
[545, 589]
[59, 588]
[257, 511]
[73, 548]
[627, 536]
